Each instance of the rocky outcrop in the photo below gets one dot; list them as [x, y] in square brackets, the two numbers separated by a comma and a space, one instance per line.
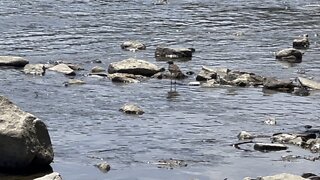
[13, 61]
[131, 109]
[134, 66]
[24, 139]
[174, 53]
[301, 43]
[34, 69]
[133, 46]
[290, 55]
[283, 176]
[63, 68]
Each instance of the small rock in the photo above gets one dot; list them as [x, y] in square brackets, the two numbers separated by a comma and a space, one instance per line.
[97, 69]
[75, 81]
[131, 109]
[125, 78]
[309, 83]
[270, 121]
[34, 69]
[243, 135]
[278, 85]
[133, 46]
[301, 43]
[269, 147]
[103, 167]
[63, 68]
[174, 53]
[290, 55]
[13, 61]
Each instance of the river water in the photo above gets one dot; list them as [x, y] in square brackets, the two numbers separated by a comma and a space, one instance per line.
[197, 126]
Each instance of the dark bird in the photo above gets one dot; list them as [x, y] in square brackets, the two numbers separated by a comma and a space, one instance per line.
[174, 71]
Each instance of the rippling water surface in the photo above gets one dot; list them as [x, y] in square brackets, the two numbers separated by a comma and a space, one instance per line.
[197, 126]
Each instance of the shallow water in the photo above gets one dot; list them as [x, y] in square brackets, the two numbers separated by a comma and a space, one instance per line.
[197, 126]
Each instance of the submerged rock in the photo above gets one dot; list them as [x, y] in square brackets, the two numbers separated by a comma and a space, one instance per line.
[133, 46]
[76, 81]
[134, 66]
[24, 139]
[131, 109]
[97, 69]
[34, 69]
[14, 61]
[174, 53]
[103, 167]
[290, 55]
[243, 135]
[301, 43]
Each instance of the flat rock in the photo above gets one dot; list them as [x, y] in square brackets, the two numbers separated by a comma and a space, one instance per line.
[131, 109]
[309, 83]
[125, 78]
[134, 66]
[63, 68]
[133, 45]
[290, 55]
[76, 81]
[13, 61]
[34, 69]
[24, 139]
[269, 147]
[278, 85]
[174, 53]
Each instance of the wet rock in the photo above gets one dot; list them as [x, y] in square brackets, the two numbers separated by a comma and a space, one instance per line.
[244, 80]
[283, 138]
[63, 68]
[313, 145]
[131, 109]
[14, 61]
[97, 69]
[243, 135]
[290, 55]
[283, 176]
[171, 163]
[309, 83]
[207, 73]
[301, 43]
[269, 147]
[174, 53]
[125, 78]
[24, 139]
[75, 67]
[133, 46]
[310, 176]
[52, 176]
[278, 85]
[103, 167]
[34, 69]
[134, 66]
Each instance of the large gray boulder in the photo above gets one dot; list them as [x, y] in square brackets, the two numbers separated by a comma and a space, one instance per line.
[24, 139]
[291, 55]
[134, 66]
[13, 61]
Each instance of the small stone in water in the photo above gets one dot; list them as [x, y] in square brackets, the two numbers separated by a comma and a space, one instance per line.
[104, 167]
